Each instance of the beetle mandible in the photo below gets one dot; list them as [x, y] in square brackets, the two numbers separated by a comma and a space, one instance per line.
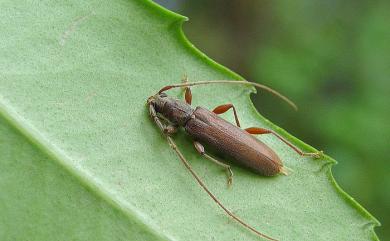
[206, 127]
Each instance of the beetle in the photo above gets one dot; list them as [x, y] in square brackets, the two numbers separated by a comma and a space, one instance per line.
[206, 127]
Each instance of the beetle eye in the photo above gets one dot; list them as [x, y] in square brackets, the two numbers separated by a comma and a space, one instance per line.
[163, 95]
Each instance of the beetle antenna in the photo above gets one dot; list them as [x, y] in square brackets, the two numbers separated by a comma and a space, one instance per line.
[264, 87]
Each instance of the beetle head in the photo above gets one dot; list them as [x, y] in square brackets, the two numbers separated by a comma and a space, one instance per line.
[158, 101]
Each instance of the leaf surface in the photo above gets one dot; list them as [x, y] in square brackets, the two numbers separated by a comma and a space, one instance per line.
[81, 160]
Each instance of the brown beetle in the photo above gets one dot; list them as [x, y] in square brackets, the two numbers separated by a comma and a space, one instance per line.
[206, 127]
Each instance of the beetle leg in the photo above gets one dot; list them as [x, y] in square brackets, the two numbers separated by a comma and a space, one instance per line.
[199, 147]
[188, 94]
[223, 108]
[260, 131]
[165, 126]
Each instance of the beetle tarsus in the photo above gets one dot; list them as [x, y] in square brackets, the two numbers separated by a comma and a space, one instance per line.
[170, 130]
[230, 178]
[223, 165]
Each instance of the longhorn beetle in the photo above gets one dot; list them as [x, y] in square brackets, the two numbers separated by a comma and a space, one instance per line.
[206, 127]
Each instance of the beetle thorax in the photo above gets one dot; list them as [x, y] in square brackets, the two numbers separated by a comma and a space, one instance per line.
[176, 111]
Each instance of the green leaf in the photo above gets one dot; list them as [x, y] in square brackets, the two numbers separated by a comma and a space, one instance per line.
[81, 160]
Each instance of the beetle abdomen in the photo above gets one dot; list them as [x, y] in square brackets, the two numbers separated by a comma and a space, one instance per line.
[210, 129]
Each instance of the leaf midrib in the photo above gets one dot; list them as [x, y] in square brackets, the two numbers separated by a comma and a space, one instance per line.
[32, 135]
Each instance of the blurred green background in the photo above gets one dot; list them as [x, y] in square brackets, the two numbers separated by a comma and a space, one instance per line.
[332, 57]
